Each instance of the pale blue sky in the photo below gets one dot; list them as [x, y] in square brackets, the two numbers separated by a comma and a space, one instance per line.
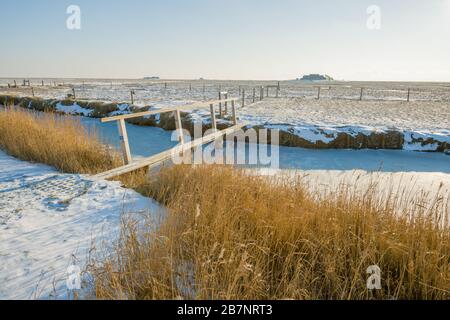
[226, 39]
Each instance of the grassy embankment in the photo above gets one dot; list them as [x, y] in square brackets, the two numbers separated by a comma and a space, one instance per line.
[231, 236]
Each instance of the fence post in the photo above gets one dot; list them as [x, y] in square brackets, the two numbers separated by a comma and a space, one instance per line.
[243, 98]
[226, 103]
[267, 92]
[15, 83]
[254, 94]
[318, 93]
[32, 91]
[261, 93]
[73, 91]
[361, 95]
[409, 92]
[233, 110]
[132, 96]
[42, 82]
[124, 141]
[220, 104]
[213, 117]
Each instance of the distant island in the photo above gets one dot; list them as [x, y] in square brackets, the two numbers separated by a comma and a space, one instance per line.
[151, 78]
[315, 77]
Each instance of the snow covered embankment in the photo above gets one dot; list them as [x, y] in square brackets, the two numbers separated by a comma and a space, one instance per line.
[49, 221]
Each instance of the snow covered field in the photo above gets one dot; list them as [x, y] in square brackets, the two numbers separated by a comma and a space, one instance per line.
[297, 111]
[49, 221]
[322, 120]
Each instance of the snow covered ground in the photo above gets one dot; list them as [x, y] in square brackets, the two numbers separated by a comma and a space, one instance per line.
[49, 221]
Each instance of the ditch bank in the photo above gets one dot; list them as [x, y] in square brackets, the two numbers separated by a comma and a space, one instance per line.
[393, 139]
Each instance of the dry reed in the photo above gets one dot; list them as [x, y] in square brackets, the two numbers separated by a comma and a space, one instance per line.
[227, 235]
[56, 140]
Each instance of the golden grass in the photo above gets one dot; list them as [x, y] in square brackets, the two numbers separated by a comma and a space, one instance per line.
[56, 140]
[228, 235]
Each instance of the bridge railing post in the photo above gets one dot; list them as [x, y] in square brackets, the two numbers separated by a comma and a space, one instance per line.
[179, 126]
[123, 136]
[213, 117]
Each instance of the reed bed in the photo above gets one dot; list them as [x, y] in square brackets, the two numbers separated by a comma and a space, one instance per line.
[228, 235]
[57, 140]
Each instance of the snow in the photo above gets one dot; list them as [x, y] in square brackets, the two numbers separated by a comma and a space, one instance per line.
[41, 234]
[73, 109]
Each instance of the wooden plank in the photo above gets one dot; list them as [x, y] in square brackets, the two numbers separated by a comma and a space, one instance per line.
[124, 141]
[166, 155]
[197, 105]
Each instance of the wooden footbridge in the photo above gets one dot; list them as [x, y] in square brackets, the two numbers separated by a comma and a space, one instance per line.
[183, 147]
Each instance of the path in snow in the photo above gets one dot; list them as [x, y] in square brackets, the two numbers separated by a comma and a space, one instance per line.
[49, 221]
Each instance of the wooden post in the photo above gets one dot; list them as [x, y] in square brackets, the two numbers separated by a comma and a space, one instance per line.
[179, 126]
[15, 84]
[165, 85]
[226, 104]
[213, 117]
[123, 136]
[220, 104]
[73, 91]
[233, 110]
[32, 91]
[267, 92]
[318, 93]
[42, 82]
[409, 92]
[278, 90]
[132, 96]
[243, 98]
[9, 86]
[254, 94]
[361, 94]
[261, 93]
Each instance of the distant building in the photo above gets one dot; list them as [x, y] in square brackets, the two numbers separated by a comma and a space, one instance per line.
[315, 77]
[151, 78]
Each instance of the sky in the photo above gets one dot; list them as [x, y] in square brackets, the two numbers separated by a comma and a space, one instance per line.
[227, 39]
